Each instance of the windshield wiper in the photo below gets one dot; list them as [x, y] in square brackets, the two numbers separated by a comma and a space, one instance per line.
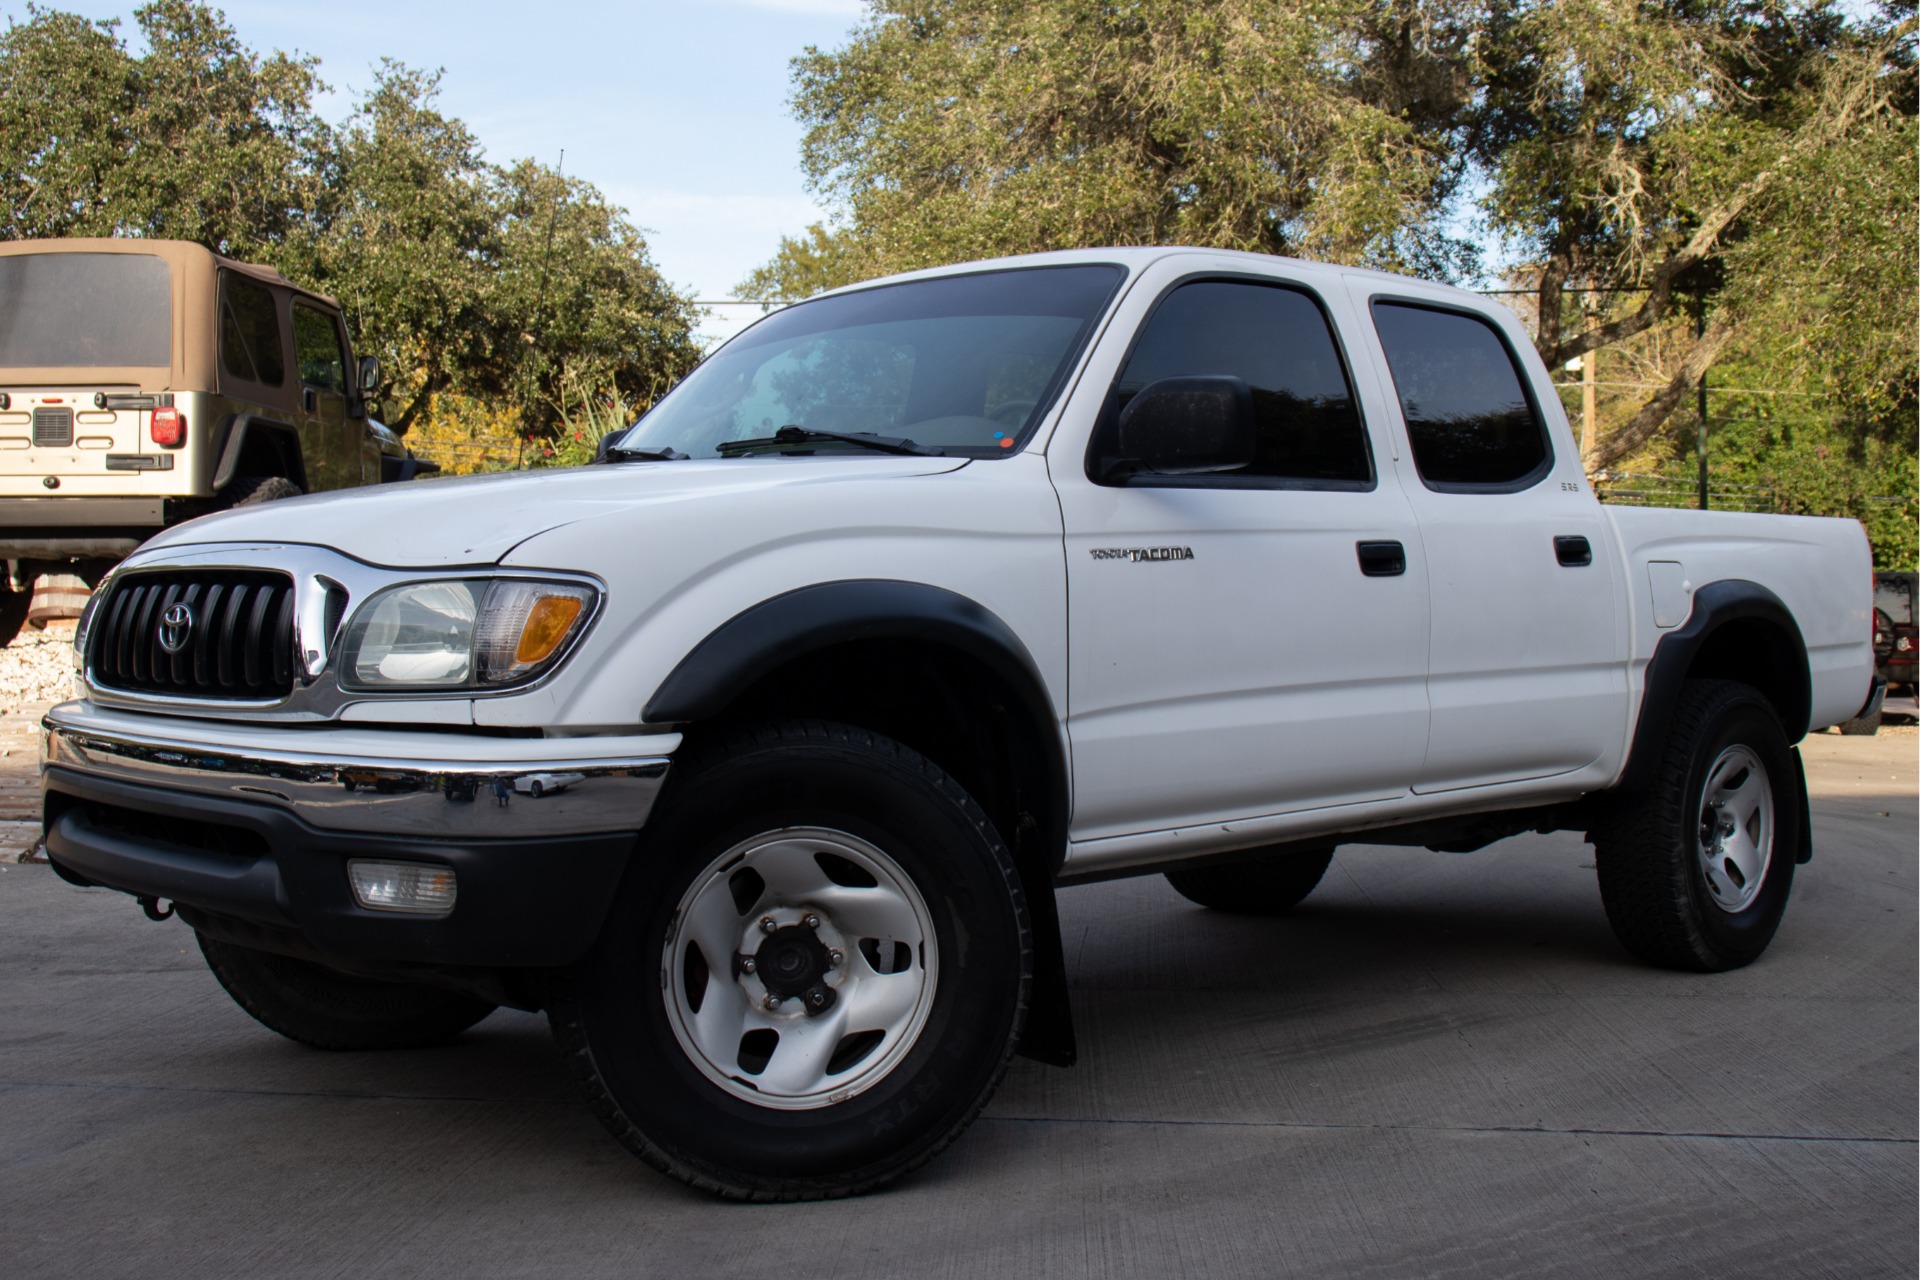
[618, 454]
[801, 435]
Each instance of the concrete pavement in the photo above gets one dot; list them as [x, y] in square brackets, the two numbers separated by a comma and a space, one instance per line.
[1439, 1065]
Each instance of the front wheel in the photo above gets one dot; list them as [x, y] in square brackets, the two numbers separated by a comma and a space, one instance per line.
[1695, 871]
[814, 975]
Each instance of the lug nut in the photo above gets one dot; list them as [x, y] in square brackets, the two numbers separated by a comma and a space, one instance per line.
[747, 964]
[771, 1002]
[810, 920]
[768, 924]
[816, 998]
[835, 959]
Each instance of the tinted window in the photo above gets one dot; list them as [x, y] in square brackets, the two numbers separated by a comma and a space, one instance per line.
[85, 310]
[1277, 341]
[250, 342]
[316, 348]
[966, 364]
[1468, 417]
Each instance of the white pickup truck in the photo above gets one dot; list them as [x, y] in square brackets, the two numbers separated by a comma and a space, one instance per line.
[756, 754]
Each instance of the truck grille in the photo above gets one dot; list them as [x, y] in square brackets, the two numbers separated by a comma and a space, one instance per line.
[52, 428]
[234, 638]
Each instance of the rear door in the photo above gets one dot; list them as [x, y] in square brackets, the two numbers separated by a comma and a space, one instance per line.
[1527, 661]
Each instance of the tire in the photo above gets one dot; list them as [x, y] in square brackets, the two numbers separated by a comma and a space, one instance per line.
[1268, 886]
[324, 1009]
[759, 834]
[1725, 754]
[248, 491]
[13, 613]
[1862, 726]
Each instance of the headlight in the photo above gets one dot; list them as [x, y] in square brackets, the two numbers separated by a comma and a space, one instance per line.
[469, 633]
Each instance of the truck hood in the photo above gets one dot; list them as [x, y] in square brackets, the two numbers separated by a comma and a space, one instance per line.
[476, 520]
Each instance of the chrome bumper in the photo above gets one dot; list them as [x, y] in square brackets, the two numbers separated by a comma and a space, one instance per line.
[378, 783]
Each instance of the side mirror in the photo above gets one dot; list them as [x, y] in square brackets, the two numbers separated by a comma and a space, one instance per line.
[369, 373]
[1184, 427]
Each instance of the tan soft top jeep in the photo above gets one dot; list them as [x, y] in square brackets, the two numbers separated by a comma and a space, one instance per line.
[143, 382]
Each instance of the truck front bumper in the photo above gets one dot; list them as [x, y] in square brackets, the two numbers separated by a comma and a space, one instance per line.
[258, 823]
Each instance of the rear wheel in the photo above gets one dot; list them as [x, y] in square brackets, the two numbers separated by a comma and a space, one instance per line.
[1695, 871]
[814, 976]
[1268, 886]
[326, 1009]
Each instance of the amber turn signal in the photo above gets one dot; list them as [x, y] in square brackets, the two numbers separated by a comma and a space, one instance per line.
[546, 626]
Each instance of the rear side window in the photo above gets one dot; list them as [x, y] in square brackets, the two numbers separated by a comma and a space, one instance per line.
[1276, 340]
[251, 344]
[1469, 418]
[316, 346]
[85, 311]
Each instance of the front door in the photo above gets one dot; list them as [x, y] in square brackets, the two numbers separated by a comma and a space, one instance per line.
[1231, 653]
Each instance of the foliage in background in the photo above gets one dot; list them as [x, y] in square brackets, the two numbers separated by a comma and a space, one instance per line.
[813, 262]
[1681, 181]
[496, 284]
[1732, 163]
[955, 129]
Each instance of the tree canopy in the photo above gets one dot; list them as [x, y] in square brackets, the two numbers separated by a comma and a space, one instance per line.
[1738, 175]
[509, 283]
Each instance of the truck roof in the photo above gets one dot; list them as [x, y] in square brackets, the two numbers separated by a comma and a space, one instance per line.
[1137, 257]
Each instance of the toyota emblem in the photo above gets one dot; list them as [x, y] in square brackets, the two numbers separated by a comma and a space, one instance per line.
[176, 627]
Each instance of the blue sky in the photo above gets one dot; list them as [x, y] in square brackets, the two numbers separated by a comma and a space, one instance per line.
[676, 111]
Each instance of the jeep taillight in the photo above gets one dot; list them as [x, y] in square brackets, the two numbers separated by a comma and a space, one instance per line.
[168, 428]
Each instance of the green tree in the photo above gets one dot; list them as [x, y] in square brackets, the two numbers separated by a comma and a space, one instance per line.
[954, 129]
[503, 285]
[804, 265]
[199, 139]
[1723, 160]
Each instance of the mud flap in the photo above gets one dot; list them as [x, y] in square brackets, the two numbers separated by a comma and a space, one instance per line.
[1805, 833]
[1048, 1036]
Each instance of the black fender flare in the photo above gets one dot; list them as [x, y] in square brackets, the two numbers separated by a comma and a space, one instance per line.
[236, 442]
[1715, 605]
[812, 618]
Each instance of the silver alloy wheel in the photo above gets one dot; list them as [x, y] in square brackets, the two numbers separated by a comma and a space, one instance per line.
[800, 968]
[1736, 828]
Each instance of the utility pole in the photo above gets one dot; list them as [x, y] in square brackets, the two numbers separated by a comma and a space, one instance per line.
[1700, 436]
[1589, 402]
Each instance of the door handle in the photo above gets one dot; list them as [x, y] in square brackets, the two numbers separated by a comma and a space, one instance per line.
[1573, 551]
[1382, 559]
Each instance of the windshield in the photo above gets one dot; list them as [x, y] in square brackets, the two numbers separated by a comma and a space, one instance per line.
[962, 364]
[85, 310]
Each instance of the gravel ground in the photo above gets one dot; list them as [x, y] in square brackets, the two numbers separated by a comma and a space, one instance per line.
[37, 667]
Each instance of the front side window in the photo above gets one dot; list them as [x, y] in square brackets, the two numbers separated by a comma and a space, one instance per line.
[1469, 420]
[963, 364]
[251, 345]
[1307, 428]
[316, 349]
[85, 311]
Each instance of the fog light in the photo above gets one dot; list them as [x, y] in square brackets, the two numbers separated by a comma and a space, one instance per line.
[422, 888]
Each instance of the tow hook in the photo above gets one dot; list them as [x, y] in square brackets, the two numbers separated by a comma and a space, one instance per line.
[151, 905]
